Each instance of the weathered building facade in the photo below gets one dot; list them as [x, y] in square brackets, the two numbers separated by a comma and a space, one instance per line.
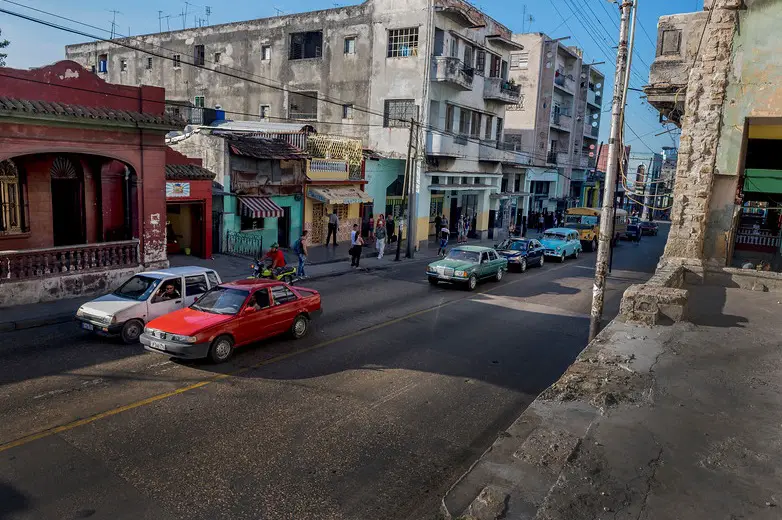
[360, 71]
[557, 121]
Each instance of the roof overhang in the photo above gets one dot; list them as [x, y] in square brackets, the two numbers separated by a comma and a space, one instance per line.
[460, 15]
[501, 41]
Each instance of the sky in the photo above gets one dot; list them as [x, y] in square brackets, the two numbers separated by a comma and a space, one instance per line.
[591, 25]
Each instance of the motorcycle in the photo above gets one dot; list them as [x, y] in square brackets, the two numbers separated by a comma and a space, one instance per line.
[263, 269]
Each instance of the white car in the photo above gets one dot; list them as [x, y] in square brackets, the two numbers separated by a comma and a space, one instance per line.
[145, 297]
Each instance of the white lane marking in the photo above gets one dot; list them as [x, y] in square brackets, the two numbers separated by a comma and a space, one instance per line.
[50, 393]
[585, 267]
[159, 364]
[510, 302]
[393, 395]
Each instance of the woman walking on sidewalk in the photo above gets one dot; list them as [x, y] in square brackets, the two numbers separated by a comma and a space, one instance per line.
[380, 237]
[356, 243]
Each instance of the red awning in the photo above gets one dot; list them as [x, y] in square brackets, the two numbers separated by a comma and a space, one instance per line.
[259, 207]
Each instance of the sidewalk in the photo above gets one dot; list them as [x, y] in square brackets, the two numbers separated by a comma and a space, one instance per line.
[321, 264]
[649, 423]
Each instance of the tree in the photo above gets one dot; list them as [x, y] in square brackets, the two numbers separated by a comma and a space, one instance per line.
[3, 45]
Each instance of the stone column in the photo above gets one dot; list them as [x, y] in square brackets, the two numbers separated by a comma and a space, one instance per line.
[701, 124]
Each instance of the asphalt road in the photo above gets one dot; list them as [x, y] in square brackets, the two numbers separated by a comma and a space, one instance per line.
[397, 389]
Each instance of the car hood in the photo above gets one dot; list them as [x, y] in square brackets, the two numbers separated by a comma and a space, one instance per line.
[552, 243]
[109, 305]
[511, 252]
[453, 264]
[188, 322]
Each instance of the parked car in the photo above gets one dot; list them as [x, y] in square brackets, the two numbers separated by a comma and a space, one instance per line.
[467, 265]
[649, 228]
[144, 297]
[231, 315]
[521, 253]
[561, 243]
[634, 231]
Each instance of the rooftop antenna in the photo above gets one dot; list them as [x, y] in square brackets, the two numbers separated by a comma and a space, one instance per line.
[114, 22]
[279, 11]
[168, 21]
[208, 13]
[160, 21]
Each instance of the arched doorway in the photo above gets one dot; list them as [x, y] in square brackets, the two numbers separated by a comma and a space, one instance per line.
[67, 180]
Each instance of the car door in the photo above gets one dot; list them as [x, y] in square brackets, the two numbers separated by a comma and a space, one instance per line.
[576, 242]
[285, 307]
[253, 325]
[158, 305]
[496, 262]
[195, 286]
[534, 252]
[485, 267]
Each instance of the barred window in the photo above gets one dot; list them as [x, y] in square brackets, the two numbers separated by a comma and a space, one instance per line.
[480, 62]
[303, 105]
[177, 60]
[398, 112]
[519, 60]
[199, 55]
[10, 199]
[403, 42]
[306, 45]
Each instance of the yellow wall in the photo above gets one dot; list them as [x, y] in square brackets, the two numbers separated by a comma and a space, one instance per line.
[182, 223]
[482, 221]
[421, 230]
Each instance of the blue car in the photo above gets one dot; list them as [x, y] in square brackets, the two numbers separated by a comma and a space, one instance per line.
[561, 243]
[521, 253]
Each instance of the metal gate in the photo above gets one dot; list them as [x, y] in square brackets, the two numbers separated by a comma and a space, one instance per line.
[243, 244]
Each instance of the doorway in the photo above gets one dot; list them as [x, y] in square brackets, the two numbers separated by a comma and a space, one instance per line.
[455, 215]
[284, 227]
[185, 228]
[67, 212]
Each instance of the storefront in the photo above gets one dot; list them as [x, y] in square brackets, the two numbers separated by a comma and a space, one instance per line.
[188, 206]
[322, 200]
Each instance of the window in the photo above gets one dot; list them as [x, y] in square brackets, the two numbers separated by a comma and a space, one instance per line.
[149, 63]
[398, 112]
[499, 129]
[282, 294]
[264, 111]
[480, 62]
[250, 223]
[306, 45]
[489, 121]
[260, 299]
[475, 125]
[492, 255]
[199, 101]
[496, 66]
[403, 43]
[10, 199]
[123, 65]
[670, 42]
[484, 257]
[439, 42]
[266, 52]
[303, 105]
[212, 277]
[163, 294]
[464, 121]
[468, 56]
[347, 111]
[217, 57]
[177, 61]
[454, 48]
[195, 284]
[350, 45]
[449, 117]
[519, 60]
[103, 63]
[199, 55]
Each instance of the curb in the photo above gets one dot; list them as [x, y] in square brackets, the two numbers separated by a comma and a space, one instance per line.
[31, 323]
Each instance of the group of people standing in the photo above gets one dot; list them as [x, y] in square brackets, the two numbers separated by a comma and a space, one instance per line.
[545, 220]
[378, 230]
[443, 230]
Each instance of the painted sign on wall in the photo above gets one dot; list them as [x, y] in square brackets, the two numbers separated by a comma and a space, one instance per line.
[177, 189]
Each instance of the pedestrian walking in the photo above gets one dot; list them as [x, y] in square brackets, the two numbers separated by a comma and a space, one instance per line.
[300, 248]
[371, 225]
[333, 226]
[390, 228]
[523, 226]
[467, 225]
[541, 221]
[356, 243]
[380, 237]
[459, 231]
[444, 234]
[555, 221]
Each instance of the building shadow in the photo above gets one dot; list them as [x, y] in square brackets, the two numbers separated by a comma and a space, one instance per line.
[12, 501]
[705, 307]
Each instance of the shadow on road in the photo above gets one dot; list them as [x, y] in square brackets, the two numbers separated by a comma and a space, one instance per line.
[706, 307]
[12, 501]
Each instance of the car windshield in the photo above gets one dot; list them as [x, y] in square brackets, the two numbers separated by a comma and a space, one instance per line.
[578, 221]
[221, 300]
[553, 236]
[513, 245]
[464, 256]
[138, 288]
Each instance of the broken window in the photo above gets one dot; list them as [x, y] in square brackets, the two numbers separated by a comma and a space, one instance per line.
[177, 60]
[217, 57]
[199, 55]
[306, 45]
[347, 111]
[398, 112]
[265, 111]
[103, 63]
[403, 43]
[350, 45]
[266, 52]
[123, 65]
[303, 105]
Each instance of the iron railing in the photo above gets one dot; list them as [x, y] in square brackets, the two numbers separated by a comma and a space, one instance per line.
[244, 244]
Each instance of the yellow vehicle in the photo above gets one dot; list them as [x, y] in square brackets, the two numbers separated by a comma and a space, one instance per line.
[587, 222]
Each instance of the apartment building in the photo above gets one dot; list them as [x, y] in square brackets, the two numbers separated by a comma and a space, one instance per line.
[359, 71]
[557, 121]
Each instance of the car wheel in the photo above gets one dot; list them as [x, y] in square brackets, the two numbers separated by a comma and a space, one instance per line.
[131, 331]
[498, 276]
[575, 254]
[300, 326]
[433, 281]
[542, 260]
[562, 257]
[472, 283]
[523, 265]
[221, 349]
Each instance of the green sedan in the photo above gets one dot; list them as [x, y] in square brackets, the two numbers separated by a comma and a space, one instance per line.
[467, 265]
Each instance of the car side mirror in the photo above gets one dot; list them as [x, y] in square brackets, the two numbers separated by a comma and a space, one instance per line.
[249, 309]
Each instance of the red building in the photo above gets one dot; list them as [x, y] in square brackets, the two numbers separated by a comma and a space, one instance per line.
[82, 182]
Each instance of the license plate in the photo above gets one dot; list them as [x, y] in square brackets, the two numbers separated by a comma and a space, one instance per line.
[157, 345]
[87, 326]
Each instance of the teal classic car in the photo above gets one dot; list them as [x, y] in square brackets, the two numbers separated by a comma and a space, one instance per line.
[561, 243]
[467, 265]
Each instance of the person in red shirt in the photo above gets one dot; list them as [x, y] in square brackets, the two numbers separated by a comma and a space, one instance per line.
[276, 256]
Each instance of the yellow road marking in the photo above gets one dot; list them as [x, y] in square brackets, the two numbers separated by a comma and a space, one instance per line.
[149, 400]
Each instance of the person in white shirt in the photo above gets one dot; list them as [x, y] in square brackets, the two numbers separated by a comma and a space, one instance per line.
[356, 243]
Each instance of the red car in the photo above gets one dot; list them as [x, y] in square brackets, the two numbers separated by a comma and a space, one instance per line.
[231, 315]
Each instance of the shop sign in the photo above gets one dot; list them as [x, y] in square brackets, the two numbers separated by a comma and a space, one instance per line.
[177, 189]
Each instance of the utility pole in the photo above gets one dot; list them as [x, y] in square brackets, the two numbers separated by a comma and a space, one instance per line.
[405, 188]
[614, 148]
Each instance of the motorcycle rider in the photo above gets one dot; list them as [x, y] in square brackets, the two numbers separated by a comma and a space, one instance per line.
[277, 258]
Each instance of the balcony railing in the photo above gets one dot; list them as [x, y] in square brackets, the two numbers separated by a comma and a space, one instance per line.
[500, 90]
[447, 69]
[562, 120]
[58, 261]
[327, 170]
[563, 81]
[594, 98]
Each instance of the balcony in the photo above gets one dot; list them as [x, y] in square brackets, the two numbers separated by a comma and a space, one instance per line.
[446, 145]
[492, 151]
[559, 158]
[595, 98]
[564, 82]
[58, 261]
[562, 121]
[498, 89]
[327, 170]
[446, 69]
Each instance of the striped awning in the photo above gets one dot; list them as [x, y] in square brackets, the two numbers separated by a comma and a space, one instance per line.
[259, 207]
